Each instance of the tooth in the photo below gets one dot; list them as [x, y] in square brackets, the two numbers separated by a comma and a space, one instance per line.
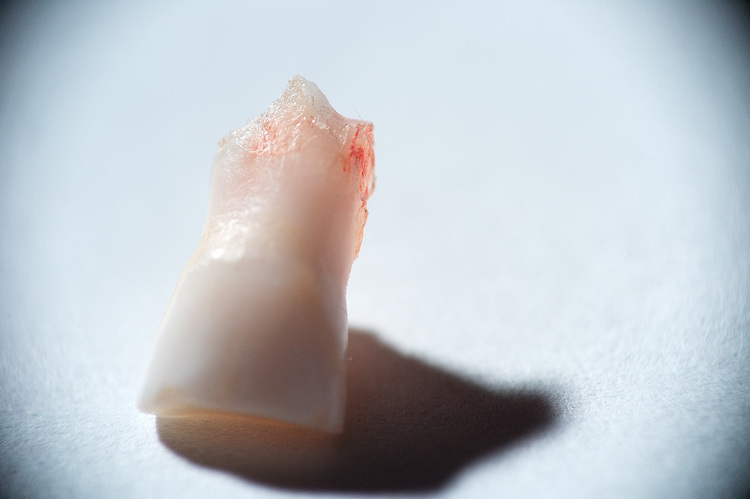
[257, 323]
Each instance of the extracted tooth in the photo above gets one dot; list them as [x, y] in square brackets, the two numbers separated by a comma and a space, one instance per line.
[257, 323]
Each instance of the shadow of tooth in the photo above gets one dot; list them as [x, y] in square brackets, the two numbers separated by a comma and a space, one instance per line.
[409, 427]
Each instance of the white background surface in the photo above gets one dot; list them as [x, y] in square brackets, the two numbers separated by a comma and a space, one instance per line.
[561, 209]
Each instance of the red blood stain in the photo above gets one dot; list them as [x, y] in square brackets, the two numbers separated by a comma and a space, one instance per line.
[267, 139]
[361, 159]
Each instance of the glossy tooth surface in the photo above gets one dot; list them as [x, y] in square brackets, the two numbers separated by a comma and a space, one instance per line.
[257, 322]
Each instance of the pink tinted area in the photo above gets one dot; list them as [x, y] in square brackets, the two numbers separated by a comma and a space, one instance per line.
[301, 113]
[361, 159]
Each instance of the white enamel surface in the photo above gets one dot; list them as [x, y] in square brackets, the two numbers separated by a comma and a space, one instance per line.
[257, 323]
[562, 206]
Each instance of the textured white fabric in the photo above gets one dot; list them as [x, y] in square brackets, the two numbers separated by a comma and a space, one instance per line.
[551, 299]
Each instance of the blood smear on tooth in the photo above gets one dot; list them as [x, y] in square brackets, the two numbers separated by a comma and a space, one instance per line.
[362, 157]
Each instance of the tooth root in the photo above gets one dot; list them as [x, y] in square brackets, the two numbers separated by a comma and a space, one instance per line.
[257, 322]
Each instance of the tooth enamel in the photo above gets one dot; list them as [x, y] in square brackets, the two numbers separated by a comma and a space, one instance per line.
[257, 322]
